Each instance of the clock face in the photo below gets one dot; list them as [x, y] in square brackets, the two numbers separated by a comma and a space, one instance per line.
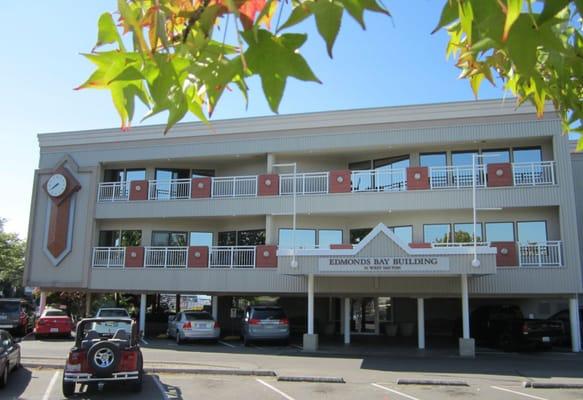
[56, 185]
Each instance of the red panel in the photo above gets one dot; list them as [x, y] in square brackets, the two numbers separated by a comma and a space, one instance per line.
[417, 178]
[506, 255]
[139, 190]
[200, 188]
[420, 245]
[340, 246]
[198, 257]
[268, 185]
[266, 256]
[500, 174]
[58, 227]
[339, 181]
[134, 257]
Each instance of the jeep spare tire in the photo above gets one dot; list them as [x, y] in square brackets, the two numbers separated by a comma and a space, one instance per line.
[103, 358]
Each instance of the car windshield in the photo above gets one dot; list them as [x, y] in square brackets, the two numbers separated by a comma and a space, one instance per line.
[9, 307]
[268, 313]
[55, 313]
[113, 313]
[194, 316]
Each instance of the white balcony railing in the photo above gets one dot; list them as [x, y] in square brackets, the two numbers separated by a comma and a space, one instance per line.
[306, 183]
[232, 257]
[540, 254]
[170, 189]
[113, 191]
[452, 177]
[109, 257]
[535, 173]
[460, 244]
[379, 180]
[165, 257]
[234, 186]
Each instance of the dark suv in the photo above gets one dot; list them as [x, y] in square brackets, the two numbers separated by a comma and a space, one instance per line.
[16, 316]
[265, 323]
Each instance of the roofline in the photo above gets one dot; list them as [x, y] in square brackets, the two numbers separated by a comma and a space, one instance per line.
[311, 120]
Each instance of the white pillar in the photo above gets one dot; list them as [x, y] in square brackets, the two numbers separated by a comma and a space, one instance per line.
[215, 307]
[465, 307]
[87, 304]
[142, 314]
[270, 162]
[575, 324]
[420, 323]
[43, 301]
[310, 304]
[347, 320]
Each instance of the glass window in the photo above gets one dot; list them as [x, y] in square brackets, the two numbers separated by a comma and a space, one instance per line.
[167, 174]
[527, 155]
[385, 309]
[135, 175]
[356, 235]
[198, 316]
[120, 175]
[532, 231]
[405, 233]
[109, 238]
[500, 232]
[305, 238]
[131, 238]
[169, 239]
[201, 239]
[495, 156]
[432, 160]
[464, 233]
[228, 238]
[251, 237]
[201, 173]
[436, 233]
[462, 158]
[392, 162]
[326, 237]
[113, 175]
[366, 181]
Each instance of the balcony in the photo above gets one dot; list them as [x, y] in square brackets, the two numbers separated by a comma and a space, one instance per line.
[542, 254]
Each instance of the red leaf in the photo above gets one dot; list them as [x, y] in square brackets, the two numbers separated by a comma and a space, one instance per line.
[249, 10]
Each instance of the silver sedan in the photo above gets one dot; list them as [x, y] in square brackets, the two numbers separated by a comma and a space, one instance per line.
[192, 325]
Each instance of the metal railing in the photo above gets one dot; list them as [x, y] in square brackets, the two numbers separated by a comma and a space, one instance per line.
[306, 183]
[232, 257]
[456, 176]
[379, 180]
[534, 173]
[113, 191]
[169, 189]
[540, 254]
[166, 257]
[234, 186]
[460, 244]
[109, 257]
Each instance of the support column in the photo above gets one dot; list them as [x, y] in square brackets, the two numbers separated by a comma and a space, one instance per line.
[421, 323]
[270, 162]
[215, 307]
[347, 320]
[310, 338]
[87, 304]
[270, 238]
[575, 324]
[43, 301]
[142, 314]
[467, 346]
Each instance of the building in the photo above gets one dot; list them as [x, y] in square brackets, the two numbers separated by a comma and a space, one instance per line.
[383, 205]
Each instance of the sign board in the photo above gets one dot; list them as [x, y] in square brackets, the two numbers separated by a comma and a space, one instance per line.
[383, 264]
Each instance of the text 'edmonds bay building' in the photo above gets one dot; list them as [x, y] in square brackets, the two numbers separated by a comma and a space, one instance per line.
[383, 202]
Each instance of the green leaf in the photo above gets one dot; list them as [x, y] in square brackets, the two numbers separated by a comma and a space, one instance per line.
[522, 46]
[513, 8]
[580, 143]
[449, 14]
[298, 14]
[356, 9]
[107, 32]
[551, 8]
[274, 59]
[328, 18]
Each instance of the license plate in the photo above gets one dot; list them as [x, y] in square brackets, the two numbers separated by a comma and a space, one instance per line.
[200, 326]
[3, 317]
[54, 330]
[546, 339]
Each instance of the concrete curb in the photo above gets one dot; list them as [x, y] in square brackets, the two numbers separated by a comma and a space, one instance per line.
[313, 379]
[552, 385]
[431, 382]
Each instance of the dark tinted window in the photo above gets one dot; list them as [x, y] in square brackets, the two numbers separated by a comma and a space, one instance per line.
[267, 313]
[113, 313]
[7, 307]
[356, 235]
[197, 316]
[55, 313]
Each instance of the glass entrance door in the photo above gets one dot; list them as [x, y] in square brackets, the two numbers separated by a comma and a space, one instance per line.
[363, 315]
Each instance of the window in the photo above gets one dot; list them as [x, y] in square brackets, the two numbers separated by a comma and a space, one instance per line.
[432, 160]
[356, 235]
[436, 233]
[201, 239]
[381, 181]
[495, 156]
[462, 158]
[527, 155]
[385, 309]
[532, 231]
[165, 174]
[464, 233]
[242, 238]
[500, 232]
[169, 239]
[326, 237]
[304, 239]
[124, 175]
[120, 238]
[405, 233]
[202, 173]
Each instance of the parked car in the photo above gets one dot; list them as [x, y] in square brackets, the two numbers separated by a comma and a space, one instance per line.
[264, 323]
[53, 322]
[505, 326]
[112, 313]
[99, 356]
[563, 316]
[17, 316]
[191, 325]
[9, 356]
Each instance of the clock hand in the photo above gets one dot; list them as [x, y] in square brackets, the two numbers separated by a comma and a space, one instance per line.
[54, 186]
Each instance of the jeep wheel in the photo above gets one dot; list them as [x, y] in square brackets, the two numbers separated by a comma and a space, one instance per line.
[103, 358]
[68, 388]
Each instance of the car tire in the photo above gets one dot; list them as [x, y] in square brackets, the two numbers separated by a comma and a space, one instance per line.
[4, 377]
[246, 342]
[179, 340]
[68, 388]
[104, 348]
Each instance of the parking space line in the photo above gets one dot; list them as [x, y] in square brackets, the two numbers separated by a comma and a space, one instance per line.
[276, 390]
[144, 340]
[394, 391]
[160, 387]
[297, 346]
[51, 386]
[518, 393]
[227, 344]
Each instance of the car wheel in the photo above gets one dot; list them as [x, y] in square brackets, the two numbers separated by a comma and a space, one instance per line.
[4, 378]
[68, 388]
[246, 342]
[103, 358]
[178, 339]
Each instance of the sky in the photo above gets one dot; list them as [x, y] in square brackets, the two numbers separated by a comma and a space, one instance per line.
[396, 61]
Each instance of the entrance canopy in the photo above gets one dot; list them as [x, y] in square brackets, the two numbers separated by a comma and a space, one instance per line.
[382, 253]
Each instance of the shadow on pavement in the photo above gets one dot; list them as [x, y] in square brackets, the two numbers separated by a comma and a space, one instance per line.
[18, 381]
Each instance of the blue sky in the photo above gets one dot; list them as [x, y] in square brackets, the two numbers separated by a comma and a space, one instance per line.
[394, 62]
